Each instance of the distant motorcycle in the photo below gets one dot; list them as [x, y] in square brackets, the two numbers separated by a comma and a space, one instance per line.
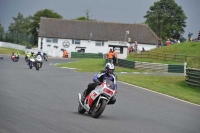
[31, 62]
[38, 62]
[45, 57]
[15, 58]
[26, 58]
[95, 102]
[1, 57]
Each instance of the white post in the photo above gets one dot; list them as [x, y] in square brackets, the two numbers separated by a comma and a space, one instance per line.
[185, 64]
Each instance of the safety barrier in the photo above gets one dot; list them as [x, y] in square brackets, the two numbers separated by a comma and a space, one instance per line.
[157, 67]
[193, 77]
[85, 55]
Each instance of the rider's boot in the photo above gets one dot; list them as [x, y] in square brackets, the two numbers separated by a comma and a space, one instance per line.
[83, 96]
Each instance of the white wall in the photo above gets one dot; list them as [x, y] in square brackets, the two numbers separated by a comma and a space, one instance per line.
[90, 47]
[11, 45]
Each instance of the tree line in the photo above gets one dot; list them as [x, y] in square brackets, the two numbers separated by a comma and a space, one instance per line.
[165, 18]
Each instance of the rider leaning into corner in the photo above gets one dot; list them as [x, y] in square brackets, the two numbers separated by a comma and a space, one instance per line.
[17, 54]
[98, 79]
[39, 53]
[31, 55]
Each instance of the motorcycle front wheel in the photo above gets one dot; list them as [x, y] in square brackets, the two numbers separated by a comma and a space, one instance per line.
[97, 111]
[37, 66]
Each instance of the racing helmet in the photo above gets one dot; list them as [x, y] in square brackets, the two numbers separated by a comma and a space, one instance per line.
[109, 67]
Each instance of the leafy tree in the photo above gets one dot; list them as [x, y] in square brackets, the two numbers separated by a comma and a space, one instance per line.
[36, 20]
[166, 19]
[1, 31]
[81, 18]
[21, 24]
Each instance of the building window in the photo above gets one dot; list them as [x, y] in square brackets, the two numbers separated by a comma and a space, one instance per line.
[52, 40]
[48, 40]
[99, 43]
[76, 41]
[119, 49]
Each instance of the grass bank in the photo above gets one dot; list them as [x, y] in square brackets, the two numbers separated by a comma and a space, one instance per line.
[170, 85]
[4, 50]
[185, 49]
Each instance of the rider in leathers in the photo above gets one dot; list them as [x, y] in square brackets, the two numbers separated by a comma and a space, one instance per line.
[98, 79]
[39, 53]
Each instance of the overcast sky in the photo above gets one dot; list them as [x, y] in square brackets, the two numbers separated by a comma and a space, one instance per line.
[120, 11]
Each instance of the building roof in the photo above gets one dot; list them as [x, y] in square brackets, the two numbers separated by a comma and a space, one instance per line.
[93, 30]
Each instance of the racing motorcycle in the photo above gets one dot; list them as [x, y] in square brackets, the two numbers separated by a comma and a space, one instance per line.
[1, 57]
[14, 58]
[45, 57]
[38, 62]
[31, 62]
[95, 102]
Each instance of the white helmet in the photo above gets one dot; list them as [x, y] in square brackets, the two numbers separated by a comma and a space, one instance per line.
[109, 67]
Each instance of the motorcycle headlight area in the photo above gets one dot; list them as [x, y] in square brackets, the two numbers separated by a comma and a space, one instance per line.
[108, 91]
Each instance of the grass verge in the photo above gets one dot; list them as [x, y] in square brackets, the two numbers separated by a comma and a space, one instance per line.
[4, 50]
[92, 65]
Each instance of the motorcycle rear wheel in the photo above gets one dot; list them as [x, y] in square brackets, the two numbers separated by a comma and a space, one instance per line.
[98, 111]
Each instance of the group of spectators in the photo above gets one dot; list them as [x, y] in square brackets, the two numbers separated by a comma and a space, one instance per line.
[198, 38]
[181, 39]
[112, 56]
[135, 48]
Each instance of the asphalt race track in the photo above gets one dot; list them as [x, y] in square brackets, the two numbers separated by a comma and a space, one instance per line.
[46, 101]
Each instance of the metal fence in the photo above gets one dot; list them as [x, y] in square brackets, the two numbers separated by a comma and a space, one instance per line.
[156, 67]
[85, 55]
[17, 38]
[193, 77]
[163, 56]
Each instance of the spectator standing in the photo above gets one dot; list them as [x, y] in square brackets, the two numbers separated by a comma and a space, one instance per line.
[159, 42]
[136, 46]
[114, 57]
[189, 36]
[168, 42]
[198, 36]
[181, 38]
[143, 50]
[65, 54]
[110, 56]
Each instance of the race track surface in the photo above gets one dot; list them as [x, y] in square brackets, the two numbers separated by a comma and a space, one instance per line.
[46, 101]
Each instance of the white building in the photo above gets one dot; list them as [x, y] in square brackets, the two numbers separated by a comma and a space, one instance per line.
[92, 37]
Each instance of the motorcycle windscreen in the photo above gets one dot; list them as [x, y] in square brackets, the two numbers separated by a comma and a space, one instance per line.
[110, 84]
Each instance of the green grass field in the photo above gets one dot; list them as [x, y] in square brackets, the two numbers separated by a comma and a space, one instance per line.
[186, 49]
[4, 50]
